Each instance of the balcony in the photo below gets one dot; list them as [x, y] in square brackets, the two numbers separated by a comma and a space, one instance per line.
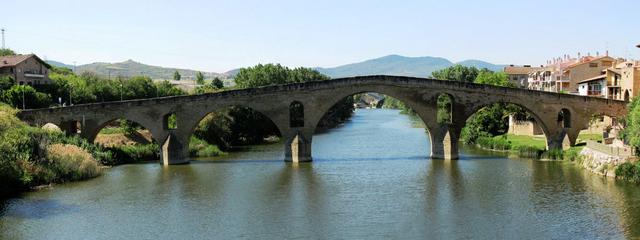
[33, 74]
[593, 93]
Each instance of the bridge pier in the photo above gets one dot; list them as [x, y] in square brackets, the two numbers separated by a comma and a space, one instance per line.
[444, 142]
[174, 150]
[297, 148]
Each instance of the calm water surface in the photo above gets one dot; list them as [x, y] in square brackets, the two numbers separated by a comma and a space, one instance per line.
[370, 179]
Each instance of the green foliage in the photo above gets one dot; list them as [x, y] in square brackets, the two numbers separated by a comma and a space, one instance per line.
[200, 78]
[273, 74]
[134, 153]
[24, 161]
[444, 104]
[493, 119]
[530, 152]
[629, 171]
[498, 143]
[554, 154]
[457, 73]
[15, 96]
[61, 70]
[631, 132]
[176, 76]
[6, 52]
[217, 83]
[6, 82]
[201, 148]
[494, 78]
[172, 121]
[572, 154]
[166, 89]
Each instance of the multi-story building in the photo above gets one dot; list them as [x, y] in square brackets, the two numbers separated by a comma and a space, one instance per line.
[25, 69]
[621, 82]
[519, 75]
[586, 68]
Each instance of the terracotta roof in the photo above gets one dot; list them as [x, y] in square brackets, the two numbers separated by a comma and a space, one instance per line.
[593, 79]
[516, 70]
[12, 60]
[588, 60]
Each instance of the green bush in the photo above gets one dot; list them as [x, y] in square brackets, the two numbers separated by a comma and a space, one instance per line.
[629, 172]
[498, 143]
[572, 154]
[553, 154]
[134, 153]
[529, 152]
[200, 148]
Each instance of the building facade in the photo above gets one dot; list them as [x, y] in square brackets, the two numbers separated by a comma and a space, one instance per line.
[25, 69]
[519, 75]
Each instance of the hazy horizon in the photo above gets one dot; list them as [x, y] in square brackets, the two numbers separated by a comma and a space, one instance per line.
[220, 36]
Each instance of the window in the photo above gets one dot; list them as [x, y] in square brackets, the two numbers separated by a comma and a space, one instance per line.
[593, 64]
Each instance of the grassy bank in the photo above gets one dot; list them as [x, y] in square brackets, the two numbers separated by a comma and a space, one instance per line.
[527, 147]
[31, 156]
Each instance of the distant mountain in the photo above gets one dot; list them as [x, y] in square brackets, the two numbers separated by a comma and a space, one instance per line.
[401, 66]
[132, 68]
[482, 64]
[59, 64]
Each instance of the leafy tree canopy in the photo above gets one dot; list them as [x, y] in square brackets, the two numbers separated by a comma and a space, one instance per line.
[273, 74]
[6, 52]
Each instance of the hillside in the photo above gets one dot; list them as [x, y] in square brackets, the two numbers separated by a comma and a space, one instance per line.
[132, 68]
[402, 66]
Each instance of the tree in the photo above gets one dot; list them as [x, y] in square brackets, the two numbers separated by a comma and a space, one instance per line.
[165, 88]
[631, 132]
[6, 82]
[200, 78]
[6, 52]
[493, 119]
[496, 79]
[15, 96]
[176, 76]
[217, 83]
[457, 73]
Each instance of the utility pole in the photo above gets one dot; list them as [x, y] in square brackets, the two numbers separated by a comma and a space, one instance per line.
[2, 37]
[23, 104]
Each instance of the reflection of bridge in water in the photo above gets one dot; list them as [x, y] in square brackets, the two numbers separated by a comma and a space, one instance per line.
[297, 108]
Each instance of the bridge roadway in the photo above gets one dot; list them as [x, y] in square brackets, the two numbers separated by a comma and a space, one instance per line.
[297, 108]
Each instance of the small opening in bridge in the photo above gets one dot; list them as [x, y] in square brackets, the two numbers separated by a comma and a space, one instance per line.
[296, 114]
[564, 118]
[171, 121]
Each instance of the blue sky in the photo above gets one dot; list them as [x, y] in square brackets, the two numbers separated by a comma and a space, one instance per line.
[222, 35]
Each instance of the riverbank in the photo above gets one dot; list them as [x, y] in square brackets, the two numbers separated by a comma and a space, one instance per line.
[31, 156]
[592, 160]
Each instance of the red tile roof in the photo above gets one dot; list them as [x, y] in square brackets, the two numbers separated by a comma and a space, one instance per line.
[13, 60]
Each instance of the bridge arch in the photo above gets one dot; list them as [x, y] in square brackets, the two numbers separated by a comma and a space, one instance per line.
[211, 121]
[397, 94]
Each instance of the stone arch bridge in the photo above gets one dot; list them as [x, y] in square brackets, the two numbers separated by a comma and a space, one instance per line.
[297, 108]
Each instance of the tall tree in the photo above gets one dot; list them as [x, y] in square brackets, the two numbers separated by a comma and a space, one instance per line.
[176, 76]
[457, 73]
[217, 83]
[200, 78]
[6, 52]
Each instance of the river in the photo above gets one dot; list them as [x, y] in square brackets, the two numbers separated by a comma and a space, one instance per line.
[370, 179]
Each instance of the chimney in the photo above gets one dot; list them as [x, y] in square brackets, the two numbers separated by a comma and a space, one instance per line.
[606, 53]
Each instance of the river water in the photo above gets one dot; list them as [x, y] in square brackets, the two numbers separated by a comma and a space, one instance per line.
[370, 179]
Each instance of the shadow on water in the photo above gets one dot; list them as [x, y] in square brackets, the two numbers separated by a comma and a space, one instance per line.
[38, 209]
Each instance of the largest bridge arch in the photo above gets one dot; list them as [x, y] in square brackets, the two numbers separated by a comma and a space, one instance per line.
[313, 99]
